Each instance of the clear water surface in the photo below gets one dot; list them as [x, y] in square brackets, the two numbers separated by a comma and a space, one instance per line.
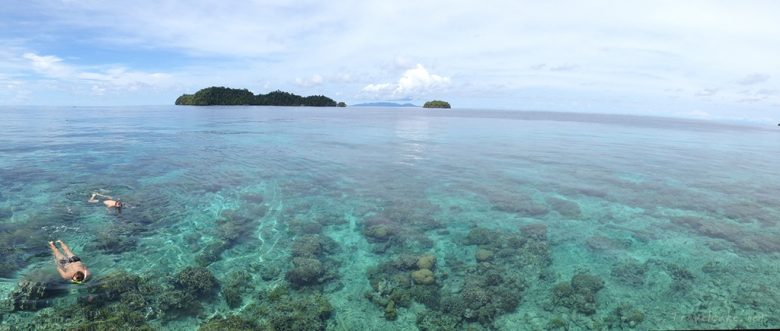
[387, 219]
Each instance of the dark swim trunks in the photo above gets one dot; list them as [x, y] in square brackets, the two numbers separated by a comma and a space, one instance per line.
[71, 259]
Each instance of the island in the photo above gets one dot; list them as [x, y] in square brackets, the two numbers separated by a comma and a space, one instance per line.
[437, 104]
[224, 96]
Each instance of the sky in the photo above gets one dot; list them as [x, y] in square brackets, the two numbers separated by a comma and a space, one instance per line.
[699, 59]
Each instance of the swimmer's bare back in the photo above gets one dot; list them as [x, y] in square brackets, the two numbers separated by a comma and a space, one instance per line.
[111, 203]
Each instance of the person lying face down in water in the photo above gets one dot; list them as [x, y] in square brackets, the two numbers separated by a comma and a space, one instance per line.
[69, 265]
[109, 202]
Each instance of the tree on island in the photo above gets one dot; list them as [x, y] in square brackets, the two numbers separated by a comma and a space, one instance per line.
[224, 96]
[437, 104]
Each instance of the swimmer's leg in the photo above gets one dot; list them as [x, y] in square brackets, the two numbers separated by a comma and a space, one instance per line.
[65, 249]
[58, 257]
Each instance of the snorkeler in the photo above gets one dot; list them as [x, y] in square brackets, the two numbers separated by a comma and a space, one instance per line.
[69, 265]
[109, 202]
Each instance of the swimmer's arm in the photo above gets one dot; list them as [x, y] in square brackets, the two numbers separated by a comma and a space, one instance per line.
[63, 273]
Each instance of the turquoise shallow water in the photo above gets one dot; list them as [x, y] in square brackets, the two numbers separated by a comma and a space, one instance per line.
[398, 219]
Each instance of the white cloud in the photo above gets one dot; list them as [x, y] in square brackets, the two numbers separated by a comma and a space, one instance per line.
[314, 80]
[97, 80]
[601, 49]
[414, 83]
[48, 65]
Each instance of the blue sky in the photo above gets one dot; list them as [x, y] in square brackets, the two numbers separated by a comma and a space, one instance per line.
[700, 59]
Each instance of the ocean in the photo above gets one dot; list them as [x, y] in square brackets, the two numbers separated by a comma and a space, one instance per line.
[241, 218]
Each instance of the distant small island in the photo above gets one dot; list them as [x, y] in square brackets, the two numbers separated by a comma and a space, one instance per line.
[437, 104]
[384, 104]
[224, 96]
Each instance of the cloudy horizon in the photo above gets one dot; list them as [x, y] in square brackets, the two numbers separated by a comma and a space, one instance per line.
[696, 59]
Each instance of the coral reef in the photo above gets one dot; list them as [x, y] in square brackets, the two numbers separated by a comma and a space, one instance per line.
[379, 232]
[18, 242]
[485, 294]
[489, 289]
[116, 301]
[311, 265]
[630, 272]
[682, 279]
[233, 227]
[431, 320]
[237, 282]
[390, 313]
[483, 255]
[198, 281]
[742, 238]
[306, 271]
[118, 237]
[481, 236]
[298, 226]
[426, 261]
[604, 243]
[579, 294]
[111, 287]
[280, 310]
[400, 226]
[32, 295]
[423, 277]
[625, 316]
[211, 253]
[230, 323]
[565, 208]
[393, 285]
[522, 205]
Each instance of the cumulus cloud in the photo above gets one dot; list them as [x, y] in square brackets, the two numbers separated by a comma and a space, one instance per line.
[314, 80]
[624, 49]
[414, 82]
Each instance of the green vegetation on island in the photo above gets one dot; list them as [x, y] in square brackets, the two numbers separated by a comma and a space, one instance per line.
[437, 104]
[224, 96]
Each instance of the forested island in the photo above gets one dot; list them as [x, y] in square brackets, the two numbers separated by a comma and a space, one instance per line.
[437, 104]
[225, 96]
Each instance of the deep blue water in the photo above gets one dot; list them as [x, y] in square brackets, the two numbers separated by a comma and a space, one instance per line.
[328, 218]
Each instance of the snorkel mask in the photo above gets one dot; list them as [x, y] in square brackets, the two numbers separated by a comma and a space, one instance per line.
[78, 282]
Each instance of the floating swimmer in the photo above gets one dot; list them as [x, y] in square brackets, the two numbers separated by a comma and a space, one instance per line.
[109, 201]
[69, 265]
